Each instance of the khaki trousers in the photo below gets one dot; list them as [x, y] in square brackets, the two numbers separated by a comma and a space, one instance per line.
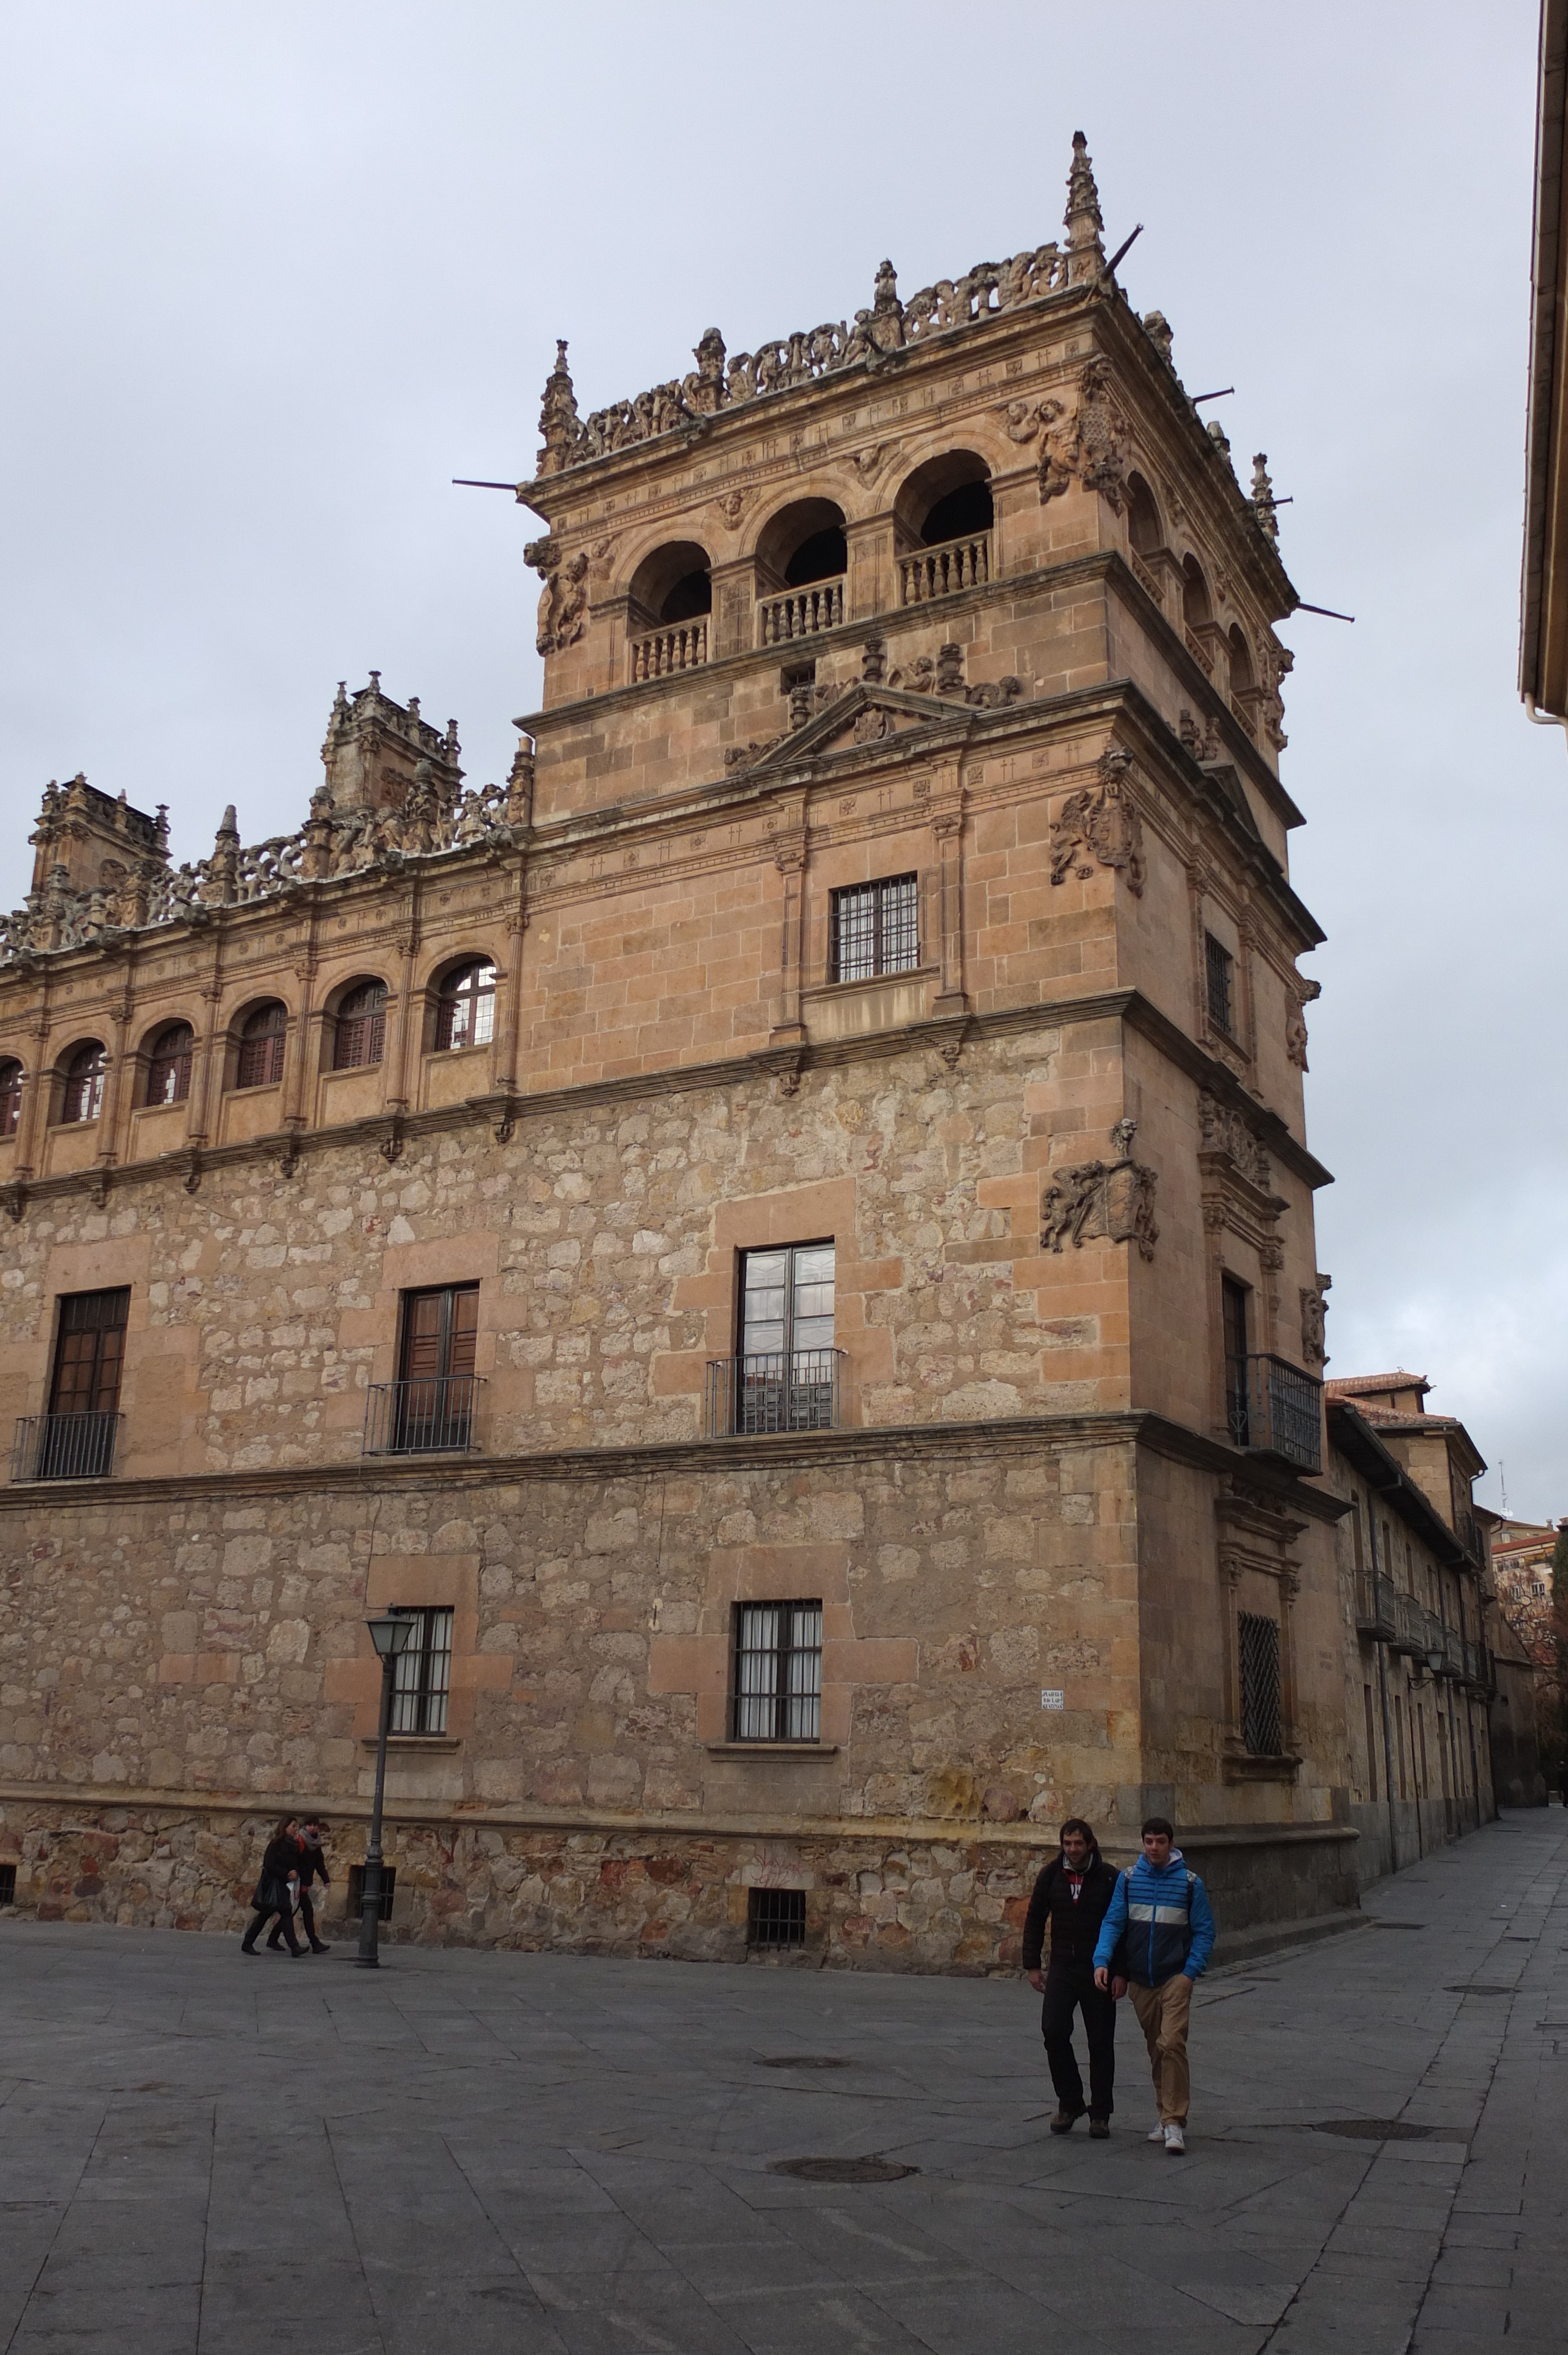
[1162, 2014]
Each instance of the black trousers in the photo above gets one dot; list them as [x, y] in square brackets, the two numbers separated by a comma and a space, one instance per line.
[1069, 1987]
[306, 1914]
[260, 1919]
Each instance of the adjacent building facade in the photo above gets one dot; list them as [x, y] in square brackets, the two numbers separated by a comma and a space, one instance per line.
[1420, 1622]
[784, 1234]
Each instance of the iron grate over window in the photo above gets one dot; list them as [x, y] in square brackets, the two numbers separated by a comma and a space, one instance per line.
[776, 1917]
[357, 1890]
[1220, 969]
[778, 1672]
[1258, 1642]
[877, 929]
[7, 1884]
[422, 1676]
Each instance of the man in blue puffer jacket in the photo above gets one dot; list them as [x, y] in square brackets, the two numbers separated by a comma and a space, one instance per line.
[1160, 1921]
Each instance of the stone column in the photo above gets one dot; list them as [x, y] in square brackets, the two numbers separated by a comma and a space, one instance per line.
[790, 862]
[947, 836]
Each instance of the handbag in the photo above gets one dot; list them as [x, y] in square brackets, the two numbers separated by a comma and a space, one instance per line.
[264, 1896]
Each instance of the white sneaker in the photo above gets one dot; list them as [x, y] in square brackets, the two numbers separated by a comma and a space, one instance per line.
[1175, 2141]
[1158, 2136]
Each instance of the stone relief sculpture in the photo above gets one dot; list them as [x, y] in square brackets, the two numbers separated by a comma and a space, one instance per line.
[1110, 1198]
[1298, 1000]
[563, 607]
[1100, 825]
[1224, 1131]
[1314, 1327]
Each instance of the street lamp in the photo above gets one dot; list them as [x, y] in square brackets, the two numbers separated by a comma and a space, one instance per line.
[390, 1635]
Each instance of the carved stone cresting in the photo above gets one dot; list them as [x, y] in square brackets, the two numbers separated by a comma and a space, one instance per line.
[1109, 1198]
[1100, 824]
[722, 381]
[394, 791]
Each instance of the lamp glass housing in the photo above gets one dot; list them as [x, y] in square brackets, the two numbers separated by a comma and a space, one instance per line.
[390, 1634]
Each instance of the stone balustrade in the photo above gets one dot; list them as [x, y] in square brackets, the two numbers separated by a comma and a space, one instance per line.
[799, 613]
[939, 571]
[659, 652]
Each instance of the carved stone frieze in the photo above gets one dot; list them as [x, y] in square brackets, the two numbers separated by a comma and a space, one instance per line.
[1226, 1133]
[1099, 825]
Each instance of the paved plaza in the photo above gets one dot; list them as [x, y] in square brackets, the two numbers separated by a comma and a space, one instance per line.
[531, 2153]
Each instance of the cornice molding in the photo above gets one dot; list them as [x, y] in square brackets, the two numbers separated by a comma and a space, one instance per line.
[872, 1443]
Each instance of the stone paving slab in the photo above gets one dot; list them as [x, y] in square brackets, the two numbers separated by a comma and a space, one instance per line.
[568, 2155]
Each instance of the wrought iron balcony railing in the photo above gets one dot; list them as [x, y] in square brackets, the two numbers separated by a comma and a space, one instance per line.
[798, 1391]
[435, 1417]
[1375, 1606]
[1274, 1409]
[65, 1446]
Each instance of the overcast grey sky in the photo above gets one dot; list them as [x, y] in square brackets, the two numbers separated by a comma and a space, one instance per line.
[272, 276]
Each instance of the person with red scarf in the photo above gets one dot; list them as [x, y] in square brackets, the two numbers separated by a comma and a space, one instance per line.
[1072, 1895]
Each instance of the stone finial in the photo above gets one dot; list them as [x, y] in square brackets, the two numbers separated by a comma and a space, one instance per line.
[1157, 327]
[1219, 437]
[1086, 252]
[450, 748]
[230, 829]
[887, 311]
[874, 661]
[1263, 497]
[703, 390]
[559, 428]
[375, 682]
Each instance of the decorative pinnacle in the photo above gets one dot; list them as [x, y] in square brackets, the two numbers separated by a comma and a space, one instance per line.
[1085, 253]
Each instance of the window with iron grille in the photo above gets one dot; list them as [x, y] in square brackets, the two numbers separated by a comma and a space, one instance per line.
[422, 1676]
[169, 1064]
[360, 1032]
[877, 929]
[261, 1046]
[1221, 969]
[7, 1884]
[1258, 1645]
[776, 1917]
[357, 1890]
[778, 1672]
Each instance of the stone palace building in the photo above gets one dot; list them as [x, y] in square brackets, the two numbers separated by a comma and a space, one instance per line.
[784, 1234]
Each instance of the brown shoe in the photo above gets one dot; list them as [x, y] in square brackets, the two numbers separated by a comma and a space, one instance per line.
[1099, 2129]
[1065, 2121]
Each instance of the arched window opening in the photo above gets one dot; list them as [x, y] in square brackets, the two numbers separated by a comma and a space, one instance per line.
[261, 1046]
[693, 594]
[823, 557]
[84, 1082]
[1195, 607]
[804, 542]
[169, 1064]
[1241, 661]
[10, 1096]
[361, 1031]
[962, 514]
[1143, 524]
[673, 584]
[465, 1007]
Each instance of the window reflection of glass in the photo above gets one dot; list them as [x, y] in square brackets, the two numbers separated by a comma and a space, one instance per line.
[465, 1011]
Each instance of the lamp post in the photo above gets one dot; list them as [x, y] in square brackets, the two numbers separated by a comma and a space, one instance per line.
[390, 1635]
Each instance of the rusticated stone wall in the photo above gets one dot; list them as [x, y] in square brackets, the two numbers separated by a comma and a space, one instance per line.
[874, 1900]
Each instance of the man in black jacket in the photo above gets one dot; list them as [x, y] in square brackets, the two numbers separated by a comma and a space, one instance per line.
[1072, 1895]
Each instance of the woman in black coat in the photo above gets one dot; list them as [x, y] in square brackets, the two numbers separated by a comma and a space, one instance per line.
[271, 1896]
